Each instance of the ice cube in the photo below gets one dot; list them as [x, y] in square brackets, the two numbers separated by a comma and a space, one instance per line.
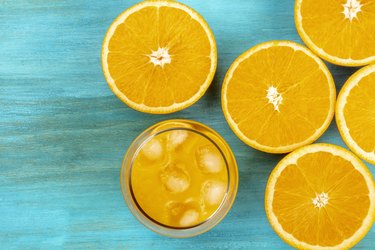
[213, 192]
[189, 218]
[183, 214]
[209, 159]
[175, 179]
[176, 138]
[174, 209]
[153, 149]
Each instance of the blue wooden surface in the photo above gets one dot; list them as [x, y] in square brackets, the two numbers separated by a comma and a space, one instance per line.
[63, 133]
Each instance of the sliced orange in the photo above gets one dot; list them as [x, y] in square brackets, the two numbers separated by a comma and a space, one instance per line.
[355, 113]
[321, 196]
[278, 96]
[159, 56]
[340, 31]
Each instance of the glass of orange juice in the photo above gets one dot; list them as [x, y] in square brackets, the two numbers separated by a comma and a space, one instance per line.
[179, 178]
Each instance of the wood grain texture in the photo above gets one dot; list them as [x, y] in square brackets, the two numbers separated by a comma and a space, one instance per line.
[63, 133]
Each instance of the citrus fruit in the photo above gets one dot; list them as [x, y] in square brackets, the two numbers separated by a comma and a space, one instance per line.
[159, 56]
[278, 96]
[355, 113]
[320, 196]
[340, 31]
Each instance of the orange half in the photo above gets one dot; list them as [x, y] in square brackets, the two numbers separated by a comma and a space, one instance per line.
[321, 196]
[340, 31]
[278, 96]
[355, 113]
[159, 56]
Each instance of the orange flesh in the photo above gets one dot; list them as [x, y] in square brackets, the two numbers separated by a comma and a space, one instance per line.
[305, 91]
[148, 30]
[359, 113]
[172, 187]
[327, 27]
[313, 174]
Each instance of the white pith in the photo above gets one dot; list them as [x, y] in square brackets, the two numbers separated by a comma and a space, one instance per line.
[320, 200]
[160, 57]
[274, 97]
[292, 159]
[351, 9]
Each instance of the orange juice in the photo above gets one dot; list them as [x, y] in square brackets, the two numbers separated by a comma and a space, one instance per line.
[181, 174]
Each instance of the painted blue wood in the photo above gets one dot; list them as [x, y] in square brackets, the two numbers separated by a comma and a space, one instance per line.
[63, 133]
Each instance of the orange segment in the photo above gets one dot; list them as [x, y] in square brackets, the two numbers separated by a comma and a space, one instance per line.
[355, 113]
[278, 96]
[321, 196]
[340, 31]
[159, 56]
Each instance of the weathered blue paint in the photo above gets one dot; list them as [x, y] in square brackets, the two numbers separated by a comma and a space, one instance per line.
[63, 133]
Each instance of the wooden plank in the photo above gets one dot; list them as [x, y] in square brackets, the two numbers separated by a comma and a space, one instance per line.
[63, 133]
